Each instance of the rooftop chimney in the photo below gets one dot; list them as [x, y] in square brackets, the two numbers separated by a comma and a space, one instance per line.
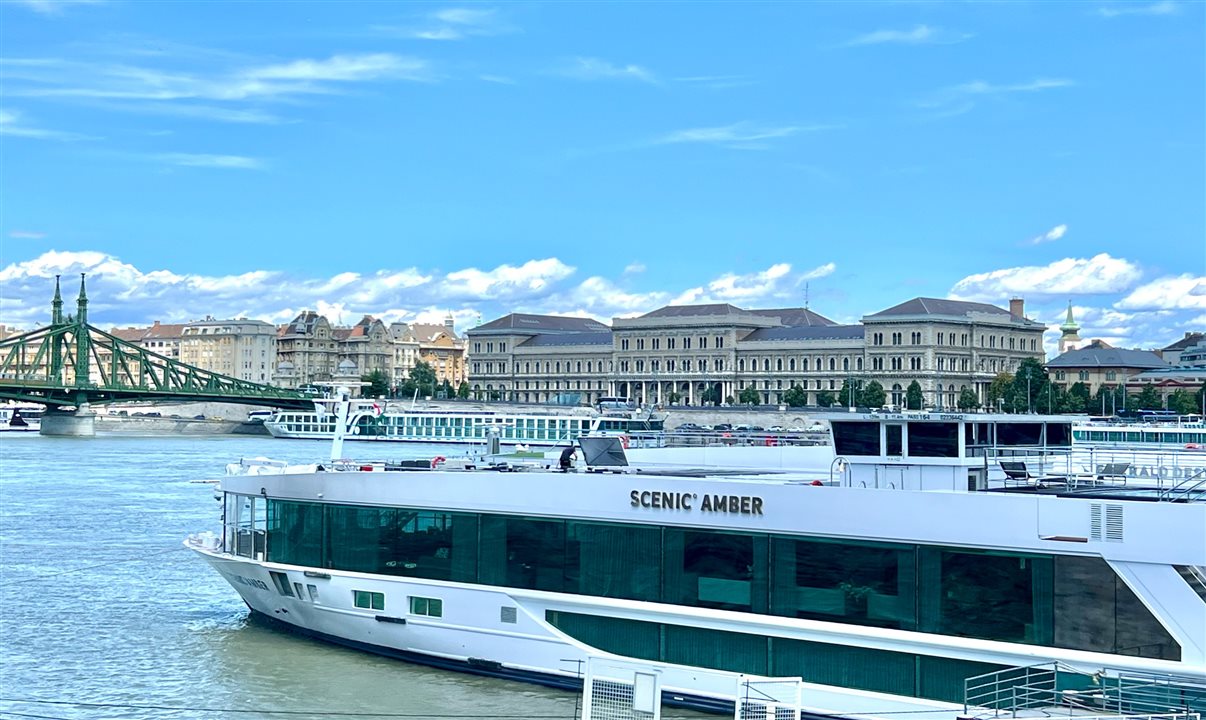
[1015, 307]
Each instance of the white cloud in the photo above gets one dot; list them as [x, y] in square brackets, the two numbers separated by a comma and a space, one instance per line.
[1051, 235]
[599, 298]
[230, 162]
[961, 99]
[1166, 7]
[26, 235]
[1070, 276]
[227, 94]
[776, 283]
[634, 268]
[588, 68]
[453, 24]
[340, 68]
[979, 87]
[122, 294]
[738, 136]
[11, 124]
[918, 35]
[505, 281]
[1182, 292]
[498, 79]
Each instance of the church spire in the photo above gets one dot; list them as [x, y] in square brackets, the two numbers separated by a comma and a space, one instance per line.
[1069, 338]
[1069, 325]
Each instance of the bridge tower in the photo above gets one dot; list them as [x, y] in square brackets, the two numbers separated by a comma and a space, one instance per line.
[80, 422]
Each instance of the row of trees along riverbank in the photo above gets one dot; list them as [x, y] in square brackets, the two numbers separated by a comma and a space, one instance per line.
[1028, 390]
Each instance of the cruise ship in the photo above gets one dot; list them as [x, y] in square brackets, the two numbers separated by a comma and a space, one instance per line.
[1186, 432]
[368, 420]
[937, 554]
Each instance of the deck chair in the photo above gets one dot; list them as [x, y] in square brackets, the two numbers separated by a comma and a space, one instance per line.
[1015, 470]
[1113, 471]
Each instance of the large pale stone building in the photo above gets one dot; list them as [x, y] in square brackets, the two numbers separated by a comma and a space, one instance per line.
[687, 354]
[245, 349]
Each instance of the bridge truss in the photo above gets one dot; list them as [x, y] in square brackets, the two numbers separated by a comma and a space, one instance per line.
[71, 363]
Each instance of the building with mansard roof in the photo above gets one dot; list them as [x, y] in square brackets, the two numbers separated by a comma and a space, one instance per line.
[693, 353]
[1100, 364]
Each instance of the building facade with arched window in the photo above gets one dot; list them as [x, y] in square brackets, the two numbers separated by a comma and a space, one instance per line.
[692, 354]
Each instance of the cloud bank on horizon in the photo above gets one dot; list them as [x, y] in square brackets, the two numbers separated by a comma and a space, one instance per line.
[1115, 301]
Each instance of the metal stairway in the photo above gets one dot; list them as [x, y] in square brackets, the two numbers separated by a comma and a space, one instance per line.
[1195, 576]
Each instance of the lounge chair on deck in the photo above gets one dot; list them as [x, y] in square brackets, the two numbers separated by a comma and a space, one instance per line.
[1016, 470]
[1113, 471]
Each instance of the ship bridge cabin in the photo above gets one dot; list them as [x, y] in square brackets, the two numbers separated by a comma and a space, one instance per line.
[958, 452]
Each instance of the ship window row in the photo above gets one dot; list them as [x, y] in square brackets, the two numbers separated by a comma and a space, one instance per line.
[1136, 436]
[849, 666]
[936, 439]
[1070, 602]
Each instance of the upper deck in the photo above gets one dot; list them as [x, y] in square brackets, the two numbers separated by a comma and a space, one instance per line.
[977, 452]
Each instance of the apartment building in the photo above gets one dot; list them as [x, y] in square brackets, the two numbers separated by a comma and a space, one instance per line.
[242, 348]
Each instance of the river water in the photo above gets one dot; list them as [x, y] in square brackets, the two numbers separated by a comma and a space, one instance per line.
[103, 613]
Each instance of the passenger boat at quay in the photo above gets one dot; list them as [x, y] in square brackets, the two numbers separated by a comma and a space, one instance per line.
[1157, 433]
[935, 568]
[23, 417]
[369, 420]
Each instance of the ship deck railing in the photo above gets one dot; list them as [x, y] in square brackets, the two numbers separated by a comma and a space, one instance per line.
[1055, 689]
[1147, 474]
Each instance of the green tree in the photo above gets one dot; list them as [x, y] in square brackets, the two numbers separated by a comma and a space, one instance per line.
[748, 396]
[825, 399]
[711, 395]
[998, 390]
[913, 397]
[848, 395]
[1200, 399]
[873, 395]
[1030, 383]
[1147, 399]
[967, 399]
[1182, 403]
[462, 392]
[424, 378]
[1078, 398]
[795, 396]
[673, 397]
[378, 384]
[1109, 400]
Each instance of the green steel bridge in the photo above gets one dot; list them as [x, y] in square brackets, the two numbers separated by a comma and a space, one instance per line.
[71, 363]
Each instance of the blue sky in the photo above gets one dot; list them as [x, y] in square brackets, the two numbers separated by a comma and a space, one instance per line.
[605, 159]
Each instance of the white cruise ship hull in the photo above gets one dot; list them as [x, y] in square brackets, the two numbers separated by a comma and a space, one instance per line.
[477, 641]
